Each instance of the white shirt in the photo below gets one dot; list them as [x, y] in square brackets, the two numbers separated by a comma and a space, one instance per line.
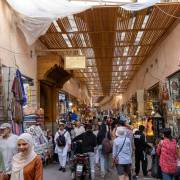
[8, 147]
[78, 131]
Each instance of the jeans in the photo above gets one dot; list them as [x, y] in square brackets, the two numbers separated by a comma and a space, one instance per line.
[140, 157]
[166, 176]
[104, 161]
[92, 160]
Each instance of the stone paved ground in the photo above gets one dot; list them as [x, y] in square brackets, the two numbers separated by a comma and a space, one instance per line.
[51, 173]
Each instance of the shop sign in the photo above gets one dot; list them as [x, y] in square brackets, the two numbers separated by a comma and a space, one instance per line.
[75, 62]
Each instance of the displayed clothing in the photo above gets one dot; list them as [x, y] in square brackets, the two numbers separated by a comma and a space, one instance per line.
[8, 148]
[26, 166]
[18, 88]
[17, 111]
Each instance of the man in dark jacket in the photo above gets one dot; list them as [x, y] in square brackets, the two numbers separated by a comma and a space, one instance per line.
[89, 142]
[140, 150]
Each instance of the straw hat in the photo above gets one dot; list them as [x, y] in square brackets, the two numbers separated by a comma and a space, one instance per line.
[120, 132]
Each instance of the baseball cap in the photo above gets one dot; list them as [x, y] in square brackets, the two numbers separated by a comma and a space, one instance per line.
[5, 125]
[61, 123]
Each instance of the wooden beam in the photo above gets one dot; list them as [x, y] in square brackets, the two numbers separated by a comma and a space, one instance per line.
[115, 65]
[100, 47]
[109, 81]
[108, 71]
[101, 57]
[112, 31]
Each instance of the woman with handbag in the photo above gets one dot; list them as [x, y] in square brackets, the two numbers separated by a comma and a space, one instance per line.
[168, 158]
[122, 154]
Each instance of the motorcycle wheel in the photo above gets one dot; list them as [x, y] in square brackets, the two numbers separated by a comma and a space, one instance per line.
[73, 176]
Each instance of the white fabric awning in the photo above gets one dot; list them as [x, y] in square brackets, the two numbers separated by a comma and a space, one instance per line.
[35, 16]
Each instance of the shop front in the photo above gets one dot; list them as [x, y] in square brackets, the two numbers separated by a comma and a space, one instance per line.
[173, 103]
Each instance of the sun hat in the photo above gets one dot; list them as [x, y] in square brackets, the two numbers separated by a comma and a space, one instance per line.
[120, 132]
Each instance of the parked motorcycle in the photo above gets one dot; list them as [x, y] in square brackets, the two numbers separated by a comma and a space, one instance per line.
[80, 168]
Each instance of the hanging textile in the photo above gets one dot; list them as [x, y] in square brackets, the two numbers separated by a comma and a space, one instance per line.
[34, 17]
[19, 98]
[18, 89]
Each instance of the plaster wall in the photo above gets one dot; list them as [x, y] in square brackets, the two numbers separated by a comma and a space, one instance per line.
[14, 52]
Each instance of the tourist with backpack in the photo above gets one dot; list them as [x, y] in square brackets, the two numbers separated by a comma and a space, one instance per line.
[104, 148]
[63, 144]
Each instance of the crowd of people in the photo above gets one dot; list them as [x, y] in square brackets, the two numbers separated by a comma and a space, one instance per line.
[109, 142]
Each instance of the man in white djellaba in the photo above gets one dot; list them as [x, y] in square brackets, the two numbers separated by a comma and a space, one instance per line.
[8, 142]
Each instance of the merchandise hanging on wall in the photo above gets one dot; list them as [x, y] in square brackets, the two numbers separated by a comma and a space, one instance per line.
[42, 146]
[173, 104]
[19, 99]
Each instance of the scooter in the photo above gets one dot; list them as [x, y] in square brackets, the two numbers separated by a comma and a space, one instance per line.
[80, 168]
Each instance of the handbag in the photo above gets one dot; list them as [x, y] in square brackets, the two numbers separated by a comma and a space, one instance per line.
[156, 169]
[115, 161]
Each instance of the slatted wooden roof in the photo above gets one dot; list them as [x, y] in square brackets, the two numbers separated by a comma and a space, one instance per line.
[114, 41]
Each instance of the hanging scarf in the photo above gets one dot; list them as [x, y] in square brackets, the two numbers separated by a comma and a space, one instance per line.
[20, 160]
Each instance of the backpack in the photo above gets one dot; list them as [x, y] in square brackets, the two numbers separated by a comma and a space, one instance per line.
[106, 146]
[61, 140]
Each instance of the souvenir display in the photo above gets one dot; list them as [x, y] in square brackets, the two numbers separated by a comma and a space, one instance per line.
[41, 144]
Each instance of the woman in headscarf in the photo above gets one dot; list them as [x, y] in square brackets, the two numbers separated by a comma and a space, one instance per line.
[26, 165]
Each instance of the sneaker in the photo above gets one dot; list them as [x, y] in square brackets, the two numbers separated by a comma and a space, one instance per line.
[63, 170]
[135, 177]
[60, 169]
[102, 176]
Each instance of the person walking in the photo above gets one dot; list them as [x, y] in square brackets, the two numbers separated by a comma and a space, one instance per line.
[26, 165]
[140, 151]
[8, 146]
[89, 143]
[63, 144]
[104, 148]
[168, 158]
[79, 129]
[122, 154]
